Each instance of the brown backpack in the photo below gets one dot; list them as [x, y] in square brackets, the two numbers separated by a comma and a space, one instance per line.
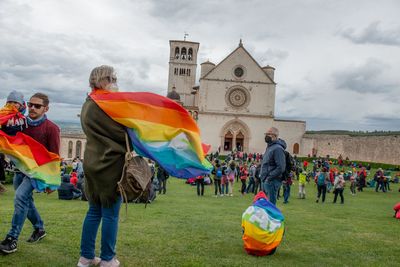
[136, 175]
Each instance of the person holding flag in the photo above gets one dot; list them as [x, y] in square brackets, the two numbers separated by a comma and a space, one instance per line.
[47, 134]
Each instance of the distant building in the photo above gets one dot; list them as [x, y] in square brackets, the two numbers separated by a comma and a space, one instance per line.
[72, 146]
[235, 102]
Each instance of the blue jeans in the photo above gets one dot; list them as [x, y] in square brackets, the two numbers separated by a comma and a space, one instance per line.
[286, 193]
[251, 185]
[109, 229]
[225, 188]
[24, 206]
[271, 188]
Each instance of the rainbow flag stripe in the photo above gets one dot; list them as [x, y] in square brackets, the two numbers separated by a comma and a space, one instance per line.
[263, 227]
[159, 128]
[7, 112]
[32, 159]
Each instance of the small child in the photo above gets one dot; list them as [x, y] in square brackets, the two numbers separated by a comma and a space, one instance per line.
[15, 104]
[353, 185]
[302, 185]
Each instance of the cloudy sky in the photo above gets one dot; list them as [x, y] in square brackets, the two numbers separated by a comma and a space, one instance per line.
[337, 62]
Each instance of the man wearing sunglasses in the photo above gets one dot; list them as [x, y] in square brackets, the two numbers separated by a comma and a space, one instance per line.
[273, 164]
[48, 134]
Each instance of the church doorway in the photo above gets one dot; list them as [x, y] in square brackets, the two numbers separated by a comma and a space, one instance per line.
[296, 149]
[235, 136]
[228, 141]
[239, 141]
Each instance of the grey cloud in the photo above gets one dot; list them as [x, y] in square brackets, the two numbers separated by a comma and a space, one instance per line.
[364, 79]
[383, 122]
[272, 56]
[373, 34]
[289, 97]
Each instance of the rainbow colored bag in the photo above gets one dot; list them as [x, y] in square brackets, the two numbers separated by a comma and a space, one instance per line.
[263, 227]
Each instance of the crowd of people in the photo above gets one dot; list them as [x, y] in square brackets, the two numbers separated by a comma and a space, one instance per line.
[326, 175]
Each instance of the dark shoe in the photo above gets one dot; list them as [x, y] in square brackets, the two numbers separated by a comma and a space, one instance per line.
[8, 245]
[37, 235]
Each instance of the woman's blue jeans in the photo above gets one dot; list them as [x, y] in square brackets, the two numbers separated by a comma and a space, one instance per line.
[109, 230]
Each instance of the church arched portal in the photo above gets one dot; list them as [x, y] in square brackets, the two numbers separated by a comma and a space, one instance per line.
[239, 141]
[235, 135]
[228, 141]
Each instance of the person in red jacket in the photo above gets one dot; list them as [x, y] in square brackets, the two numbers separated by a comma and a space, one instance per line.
[305, 165]
[74, 179]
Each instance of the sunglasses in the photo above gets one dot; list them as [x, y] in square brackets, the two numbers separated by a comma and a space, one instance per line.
[36, 106]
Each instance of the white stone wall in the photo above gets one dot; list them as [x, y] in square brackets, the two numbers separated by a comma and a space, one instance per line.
[385, 149]
[65, 139]
[292, 132]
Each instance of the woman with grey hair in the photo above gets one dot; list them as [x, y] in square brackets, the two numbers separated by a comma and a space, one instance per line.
[103, 163]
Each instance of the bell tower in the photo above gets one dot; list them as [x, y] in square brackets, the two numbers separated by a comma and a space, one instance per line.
[182, 69]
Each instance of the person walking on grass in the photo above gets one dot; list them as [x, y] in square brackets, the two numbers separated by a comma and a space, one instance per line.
[286, 184]
[48, 134]
[217, 172]
[244, 173]
[224, 180]
[339, 188]
[353, 185]
[200, 185]
[302, 184]
[230, 174]
[162, 177]
[273, 164]
[252, 172]
[322, 179]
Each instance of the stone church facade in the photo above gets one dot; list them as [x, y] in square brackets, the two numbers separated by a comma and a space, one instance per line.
[234, 104]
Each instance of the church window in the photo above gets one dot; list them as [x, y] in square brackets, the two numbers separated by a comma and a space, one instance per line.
[188, 72]
[190, 54]
[176, 71]
[177, 53]
[183, 71]
[78, 149]
[183, 53]
[70, 145]
[237, 97]
[239, 72]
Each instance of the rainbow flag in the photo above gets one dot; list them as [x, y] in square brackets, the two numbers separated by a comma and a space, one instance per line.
[32, 159]
[7, 112]
[159, 129]
[263, 227]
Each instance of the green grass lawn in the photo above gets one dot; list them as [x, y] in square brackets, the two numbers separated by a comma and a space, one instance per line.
[182, 229]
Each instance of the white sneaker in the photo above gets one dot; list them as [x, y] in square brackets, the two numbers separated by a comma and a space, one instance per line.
[83, 262]
[112, 263]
